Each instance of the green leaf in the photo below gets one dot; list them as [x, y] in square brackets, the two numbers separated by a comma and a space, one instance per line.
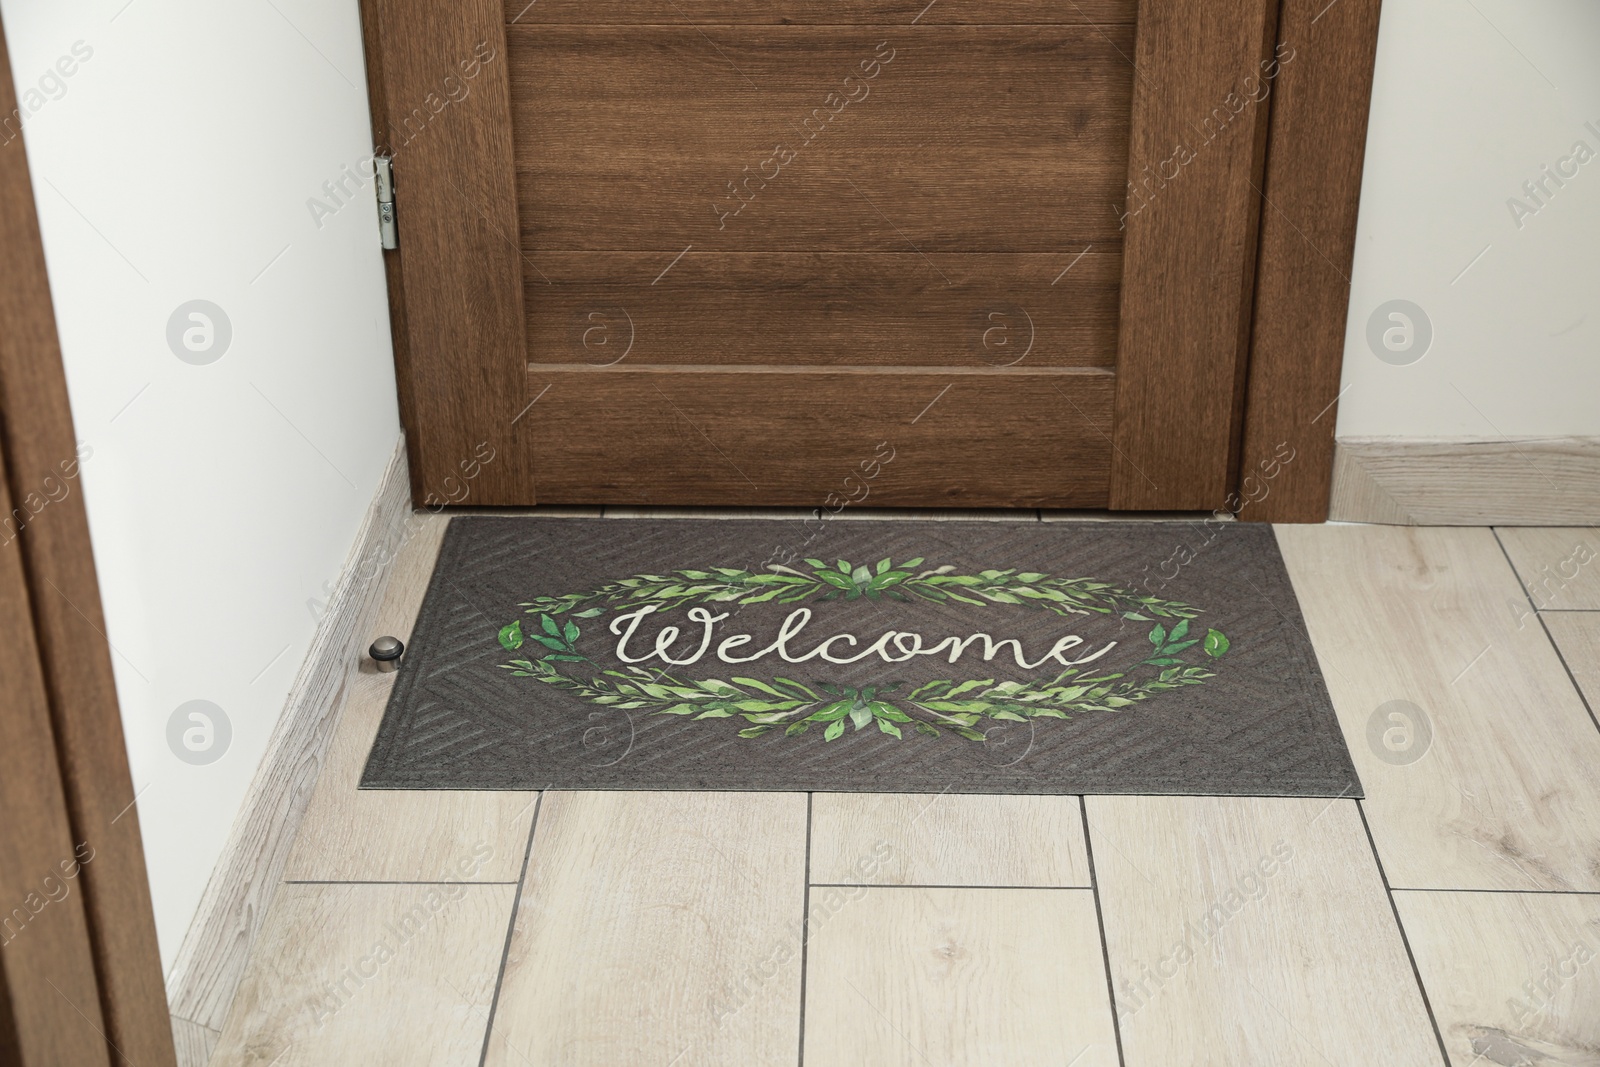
[1179, 631]
[888, 711]
[754, 731]
[511, 636]
[844, 568]
[1158, 636]
[554, 643]
[833, 731]
[861, 715]
[926, 728]
[550, 626]
[883, 565]
[1216, 643]
[591, 613]
[889, 728]
[835, 711]
[570, 632]
[838, 581]
[798, 728]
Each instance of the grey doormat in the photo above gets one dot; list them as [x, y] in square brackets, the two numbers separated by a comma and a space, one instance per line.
[861, 655]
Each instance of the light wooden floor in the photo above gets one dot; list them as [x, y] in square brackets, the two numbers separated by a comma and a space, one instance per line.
[1451, 917]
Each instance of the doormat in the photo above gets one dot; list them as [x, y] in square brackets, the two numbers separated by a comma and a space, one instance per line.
[861, 655]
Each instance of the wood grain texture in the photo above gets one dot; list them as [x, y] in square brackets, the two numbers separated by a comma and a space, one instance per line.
[56, 560]
[890, 308]
[969, 139]
[1189, 250]
[1559, 567]
[1521, 481]
[816, 12]
[45, 938]
[194, 1043]
[349, 834]
[387, 974]
[1252, 931]
[676, 918]
[1511, 976]
[918, 976]
[1507, 793]
[1312, 187]
[211, 960]
[947, 839]
[461, 342]
[1005, 438]
[1577, 638]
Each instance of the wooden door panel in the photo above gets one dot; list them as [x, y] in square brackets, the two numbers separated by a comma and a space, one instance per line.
[717, 208]
[970, 138]
[813, 438]
[814, 12]
[460, 346]
[1193, 204]
[843, 308]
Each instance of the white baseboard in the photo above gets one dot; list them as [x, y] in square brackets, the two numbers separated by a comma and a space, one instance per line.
[211, 960]
[1517, 481]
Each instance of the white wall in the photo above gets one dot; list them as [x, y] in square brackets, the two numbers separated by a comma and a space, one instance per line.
[1471, 99]
[175, 163]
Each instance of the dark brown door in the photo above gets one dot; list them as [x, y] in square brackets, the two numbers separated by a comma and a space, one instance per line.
[80, 975]
[959, 253]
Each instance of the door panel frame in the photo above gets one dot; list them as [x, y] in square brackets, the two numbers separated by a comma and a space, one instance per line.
[81, 977]
[441, 108]
[1316, 148]
[1264, 346]
[1189, 244]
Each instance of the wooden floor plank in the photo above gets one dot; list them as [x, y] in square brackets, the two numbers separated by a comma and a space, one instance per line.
[657, 928]
[1559, 566]
[1252, 931]
[947, 839]
[349, 834]
[1512, 977]
[918, 976]
[1506, 794]
[1577, 638]
[389, 974]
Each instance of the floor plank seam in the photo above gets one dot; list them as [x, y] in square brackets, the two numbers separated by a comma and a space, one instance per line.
[1100, 921]
[1548, 636]
[805, 930]
[1405, 941]
[511, 929]
[1501, 892]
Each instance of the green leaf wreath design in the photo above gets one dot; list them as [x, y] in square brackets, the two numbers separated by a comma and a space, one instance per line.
[957, 706]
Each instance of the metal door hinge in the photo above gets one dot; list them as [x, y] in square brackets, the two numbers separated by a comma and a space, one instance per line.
[383, 171]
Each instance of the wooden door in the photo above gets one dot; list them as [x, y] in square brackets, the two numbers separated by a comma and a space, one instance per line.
[80, 974]
[951, 253]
